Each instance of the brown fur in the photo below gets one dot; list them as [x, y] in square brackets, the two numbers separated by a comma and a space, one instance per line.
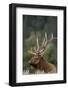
[39, 63]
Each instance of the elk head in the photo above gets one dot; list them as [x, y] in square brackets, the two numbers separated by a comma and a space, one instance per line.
[38, 52]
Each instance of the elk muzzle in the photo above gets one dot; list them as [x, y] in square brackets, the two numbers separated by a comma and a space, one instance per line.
[34, 63]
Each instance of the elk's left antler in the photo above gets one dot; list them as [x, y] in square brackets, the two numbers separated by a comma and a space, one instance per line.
[47, 42]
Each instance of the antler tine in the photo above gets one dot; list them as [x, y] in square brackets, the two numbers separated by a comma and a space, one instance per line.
[51, 35]
[37, 43]
[45, 39]
[46, 36]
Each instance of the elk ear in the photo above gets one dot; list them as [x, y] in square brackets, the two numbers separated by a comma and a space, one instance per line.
[31, 52]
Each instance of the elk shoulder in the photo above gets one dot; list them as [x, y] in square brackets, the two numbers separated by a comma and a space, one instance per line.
[51, 68]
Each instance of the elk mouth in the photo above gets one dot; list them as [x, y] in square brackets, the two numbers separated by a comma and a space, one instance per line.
[33, 65]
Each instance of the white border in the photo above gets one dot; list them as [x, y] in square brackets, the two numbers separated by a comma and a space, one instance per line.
[20, 78]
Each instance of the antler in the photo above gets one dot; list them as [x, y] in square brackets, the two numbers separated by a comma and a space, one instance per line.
[45, 39]
[46, 43]
[37, 43]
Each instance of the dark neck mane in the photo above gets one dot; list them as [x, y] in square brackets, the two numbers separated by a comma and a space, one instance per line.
[43, 64]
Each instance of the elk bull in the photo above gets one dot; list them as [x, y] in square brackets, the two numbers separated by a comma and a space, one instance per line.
[38, 61]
